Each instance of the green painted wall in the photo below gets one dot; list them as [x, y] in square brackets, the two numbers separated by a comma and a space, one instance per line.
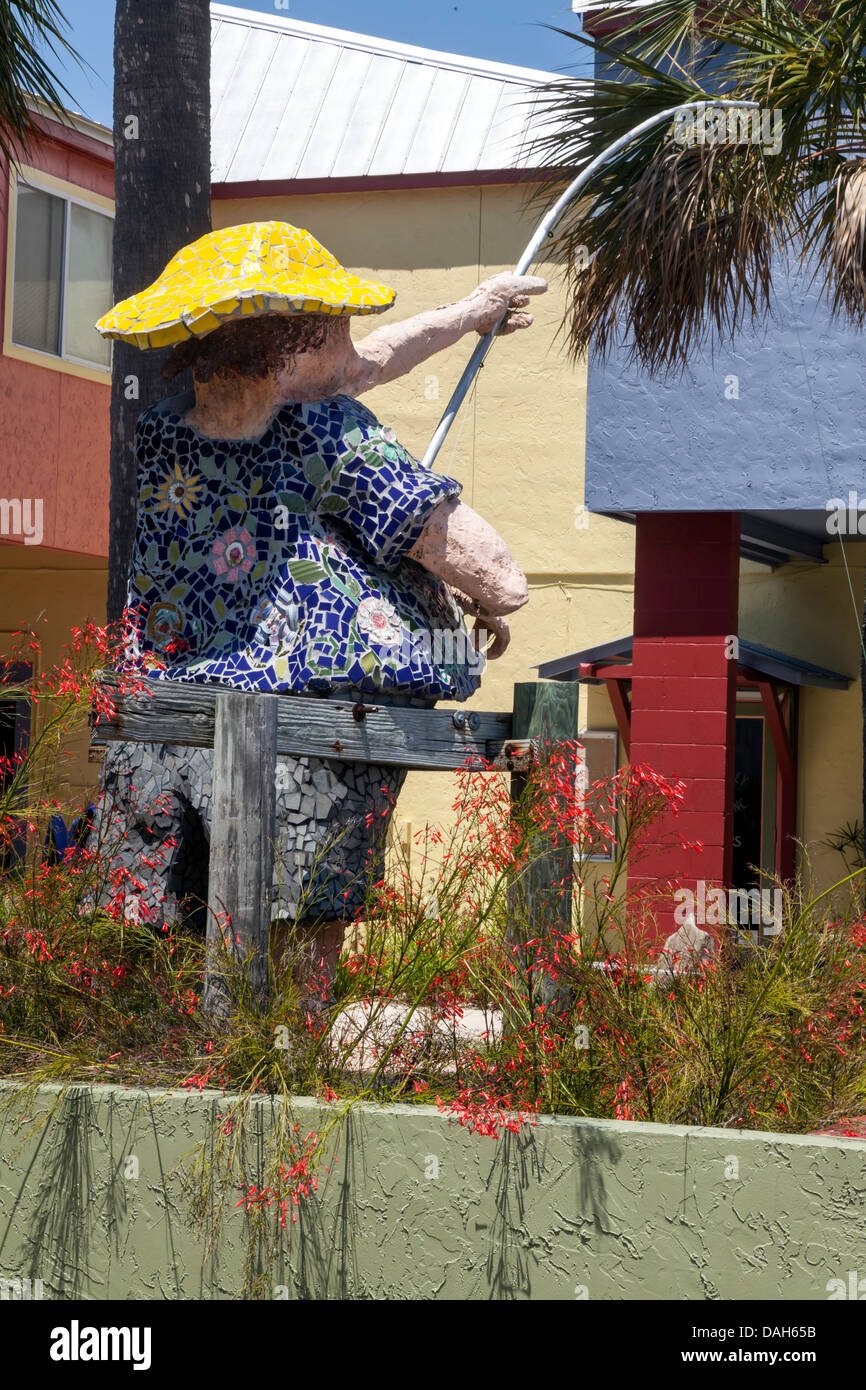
[415, 1207]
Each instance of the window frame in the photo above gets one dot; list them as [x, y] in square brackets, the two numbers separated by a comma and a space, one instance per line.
[609, 737]
[68, 193]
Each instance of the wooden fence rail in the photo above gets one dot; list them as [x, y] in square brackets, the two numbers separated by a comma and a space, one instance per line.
[423, 739]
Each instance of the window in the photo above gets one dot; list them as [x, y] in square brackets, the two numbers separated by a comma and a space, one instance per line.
[598, 760]
[62, 276]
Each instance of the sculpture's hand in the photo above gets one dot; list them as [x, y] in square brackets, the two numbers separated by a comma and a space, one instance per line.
[503, 293]
[489, 625]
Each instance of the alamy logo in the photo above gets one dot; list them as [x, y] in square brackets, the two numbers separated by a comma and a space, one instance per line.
[846, 518]
[715, 907]
[729, 125]
[448, 647]
[855, 1288]
[22, 517]
[77, 1343]
[21, 1289]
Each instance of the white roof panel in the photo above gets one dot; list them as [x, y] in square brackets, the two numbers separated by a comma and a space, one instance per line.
[301, 103]
[317, 160]
[280, 74]
[292, 100]
[472, 128]
[433, 132]
[402, 119]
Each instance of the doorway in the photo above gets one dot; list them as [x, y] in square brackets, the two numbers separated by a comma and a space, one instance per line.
[755, 798]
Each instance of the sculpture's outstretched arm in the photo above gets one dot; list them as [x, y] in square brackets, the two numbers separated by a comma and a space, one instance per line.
[394, 350]
[459, 546]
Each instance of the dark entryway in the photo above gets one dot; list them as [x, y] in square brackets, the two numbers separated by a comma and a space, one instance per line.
[14, 735]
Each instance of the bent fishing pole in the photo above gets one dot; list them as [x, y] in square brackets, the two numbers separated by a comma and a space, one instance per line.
[546, 229]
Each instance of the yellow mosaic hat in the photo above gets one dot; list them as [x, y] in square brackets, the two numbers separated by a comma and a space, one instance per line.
[258, 268]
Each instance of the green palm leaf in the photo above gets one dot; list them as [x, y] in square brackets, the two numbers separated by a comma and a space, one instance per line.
[31, 35]
[672, 246]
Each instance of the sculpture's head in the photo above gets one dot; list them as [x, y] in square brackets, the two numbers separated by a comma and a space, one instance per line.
[261, 300]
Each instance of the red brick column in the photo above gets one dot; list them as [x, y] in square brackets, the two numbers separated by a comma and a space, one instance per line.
[684, 693]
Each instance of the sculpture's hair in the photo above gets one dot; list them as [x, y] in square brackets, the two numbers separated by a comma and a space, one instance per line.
[252, 347]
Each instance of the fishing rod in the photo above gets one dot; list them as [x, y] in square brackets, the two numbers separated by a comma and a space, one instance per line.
[544, 230]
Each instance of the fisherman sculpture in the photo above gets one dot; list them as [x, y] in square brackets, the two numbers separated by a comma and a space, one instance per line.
[287, 542]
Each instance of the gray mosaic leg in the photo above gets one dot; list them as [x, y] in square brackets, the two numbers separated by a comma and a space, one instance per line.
[151, 827]
[153, 819]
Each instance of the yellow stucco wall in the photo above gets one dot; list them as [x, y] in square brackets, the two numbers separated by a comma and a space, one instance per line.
[518, 446]
[53, 591]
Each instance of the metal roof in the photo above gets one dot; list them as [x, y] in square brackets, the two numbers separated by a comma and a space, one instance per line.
[752, 657]
[291, 100]
[73, 119]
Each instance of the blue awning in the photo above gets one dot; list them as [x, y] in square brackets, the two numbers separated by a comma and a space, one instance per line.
[752, 657]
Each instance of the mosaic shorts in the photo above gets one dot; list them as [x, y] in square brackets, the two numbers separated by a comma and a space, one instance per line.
[332, 820]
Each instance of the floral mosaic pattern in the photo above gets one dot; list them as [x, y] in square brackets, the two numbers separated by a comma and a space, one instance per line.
[278, 564]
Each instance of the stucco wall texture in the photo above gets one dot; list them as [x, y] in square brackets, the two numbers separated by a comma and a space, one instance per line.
[415, 1207]
[773, 422]
[51, 591]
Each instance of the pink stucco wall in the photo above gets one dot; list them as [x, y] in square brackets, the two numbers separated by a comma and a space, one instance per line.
[54, 427]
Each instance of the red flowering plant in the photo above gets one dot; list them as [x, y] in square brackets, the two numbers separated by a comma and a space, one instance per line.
[566, 910]
[453, 979]
[60, 699]
[81, 982]
[766, 1036]
[533, 986]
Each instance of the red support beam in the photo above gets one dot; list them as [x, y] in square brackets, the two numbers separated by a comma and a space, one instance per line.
[786, 784]
[778, 732]
[615, 672]
[616, 689]
[702, 697]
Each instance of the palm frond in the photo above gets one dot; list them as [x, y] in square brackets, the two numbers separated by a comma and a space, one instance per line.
[689, 263]
[31, 35]
[671, 248]
[846, 258]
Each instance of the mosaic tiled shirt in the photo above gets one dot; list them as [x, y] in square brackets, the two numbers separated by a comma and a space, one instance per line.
[279, 563]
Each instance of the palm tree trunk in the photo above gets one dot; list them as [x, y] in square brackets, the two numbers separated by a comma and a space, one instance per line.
[162, 191]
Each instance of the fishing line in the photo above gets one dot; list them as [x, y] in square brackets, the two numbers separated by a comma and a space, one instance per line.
[464, 416]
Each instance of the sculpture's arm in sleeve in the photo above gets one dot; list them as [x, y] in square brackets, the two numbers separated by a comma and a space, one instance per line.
[458, 546]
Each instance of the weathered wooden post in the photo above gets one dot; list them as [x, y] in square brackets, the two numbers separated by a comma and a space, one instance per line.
[545, 712]
[243, 817]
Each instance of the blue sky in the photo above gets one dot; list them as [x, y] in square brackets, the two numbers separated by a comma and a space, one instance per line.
[508, 31]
